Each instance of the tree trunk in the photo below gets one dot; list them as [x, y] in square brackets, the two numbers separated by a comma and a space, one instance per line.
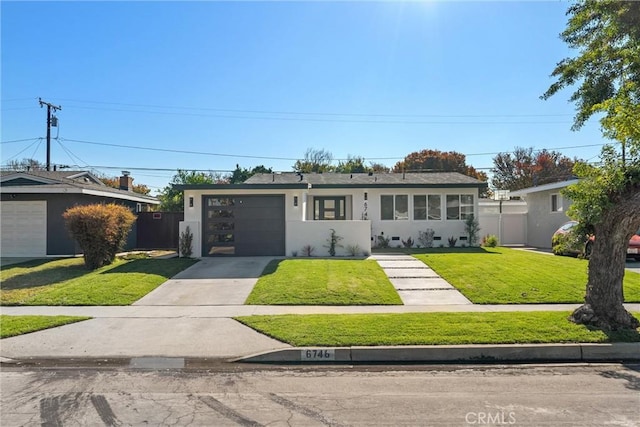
[604, 299]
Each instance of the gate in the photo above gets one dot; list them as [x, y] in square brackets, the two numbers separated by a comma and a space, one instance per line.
[158, 230]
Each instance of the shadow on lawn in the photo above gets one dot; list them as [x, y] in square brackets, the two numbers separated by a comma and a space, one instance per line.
[34, 279]
[272, 267]
[624, 335]
[161, 267]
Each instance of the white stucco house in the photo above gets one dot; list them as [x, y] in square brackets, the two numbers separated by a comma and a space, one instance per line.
[546, 211]
[280, 213]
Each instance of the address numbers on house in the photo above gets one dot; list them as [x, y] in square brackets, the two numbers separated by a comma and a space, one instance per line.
[326, 354]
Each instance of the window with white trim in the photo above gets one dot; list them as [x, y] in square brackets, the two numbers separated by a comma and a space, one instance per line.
[419, 207]
[434, 207]
[459, 206]
[394, 207]
[556, 203]
[427, 207]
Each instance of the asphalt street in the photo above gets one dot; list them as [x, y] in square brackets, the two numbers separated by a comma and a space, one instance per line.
[518, 395]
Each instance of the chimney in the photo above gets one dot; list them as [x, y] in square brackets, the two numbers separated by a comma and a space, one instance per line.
[126, 182]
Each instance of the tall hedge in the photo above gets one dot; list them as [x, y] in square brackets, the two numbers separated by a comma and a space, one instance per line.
[100, 230]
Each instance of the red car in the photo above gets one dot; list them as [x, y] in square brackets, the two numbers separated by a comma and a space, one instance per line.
[575, 248]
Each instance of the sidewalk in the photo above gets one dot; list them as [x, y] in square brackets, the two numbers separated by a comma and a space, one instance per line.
[190, 316]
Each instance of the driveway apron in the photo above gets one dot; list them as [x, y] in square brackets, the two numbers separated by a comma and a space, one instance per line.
[416, 283]
[212, 281]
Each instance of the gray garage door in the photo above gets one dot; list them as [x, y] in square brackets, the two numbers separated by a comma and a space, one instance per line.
[243, 225]
[23, 226]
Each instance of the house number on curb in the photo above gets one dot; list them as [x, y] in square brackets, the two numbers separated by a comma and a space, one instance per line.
[318, 354]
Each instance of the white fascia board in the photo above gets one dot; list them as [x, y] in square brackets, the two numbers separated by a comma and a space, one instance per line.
[545, 187]
[29, 189]
[131, 197]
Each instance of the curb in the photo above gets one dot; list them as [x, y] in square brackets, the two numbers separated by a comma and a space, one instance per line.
[453, 353]
[462, 354]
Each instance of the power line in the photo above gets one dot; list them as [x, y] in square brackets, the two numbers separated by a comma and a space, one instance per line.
[167, 150]
[133, 147]
[20, 140]
[70, 154]
[35, 140]
[308, 113]
[159, 169]
[331, 120]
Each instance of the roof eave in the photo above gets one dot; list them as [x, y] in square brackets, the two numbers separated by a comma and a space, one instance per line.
[291, 186]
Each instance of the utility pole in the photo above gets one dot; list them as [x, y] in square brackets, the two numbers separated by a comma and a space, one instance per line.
[49, 117]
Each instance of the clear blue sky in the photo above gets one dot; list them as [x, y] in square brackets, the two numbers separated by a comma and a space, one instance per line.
[271, 79]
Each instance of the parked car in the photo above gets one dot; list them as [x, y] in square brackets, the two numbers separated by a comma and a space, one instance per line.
[564, 243]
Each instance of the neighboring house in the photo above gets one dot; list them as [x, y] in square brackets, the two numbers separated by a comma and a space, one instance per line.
[546, 211]
[280, 213]
[33, 202]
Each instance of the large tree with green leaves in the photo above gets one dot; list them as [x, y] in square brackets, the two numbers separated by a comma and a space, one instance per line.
[606, 201]
[172, 199]
[240, 175]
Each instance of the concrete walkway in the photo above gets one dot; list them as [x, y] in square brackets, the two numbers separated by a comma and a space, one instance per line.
[416, 283]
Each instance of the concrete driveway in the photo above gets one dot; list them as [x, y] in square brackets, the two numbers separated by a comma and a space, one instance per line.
[155, 330]
[212, 281]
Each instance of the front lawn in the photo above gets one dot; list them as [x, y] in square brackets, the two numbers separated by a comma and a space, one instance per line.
[323, 282]
[67, 281]
[511, 276]
[11, 326]
[341, 330]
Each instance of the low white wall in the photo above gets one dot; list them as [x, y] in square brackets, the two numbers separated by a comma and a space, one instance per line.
[194, 228]
[317, 233]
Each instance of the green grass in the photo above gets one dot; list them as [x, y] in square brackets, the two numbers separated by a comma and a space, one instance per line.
[509, 276]
[10, 326]
[428, 329]
[323, 282]
[68, 282]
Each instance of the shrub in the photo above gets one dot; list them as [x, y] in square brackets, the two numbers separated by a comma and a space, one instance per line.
[333, 242]
[186, 243]
[307, 250]
[100, 230]
[489, 241]
[353, 250]
[452, 242]
[383, 242]
[426, 237]
[408, 243]
[569, 243]
[472, 228]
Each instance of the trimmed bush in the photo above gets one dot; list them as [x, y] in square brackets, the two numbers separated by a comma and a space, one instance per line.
[490, 241]
[186, 243]
[100, 230]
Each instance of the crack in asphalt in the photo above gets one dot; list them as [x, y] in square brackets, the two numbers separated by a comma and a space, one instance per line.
[228, 412]
[315, 415]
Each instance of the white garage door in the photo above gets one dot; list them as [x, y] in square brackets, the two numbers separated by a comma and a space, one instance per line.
[23, 226]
